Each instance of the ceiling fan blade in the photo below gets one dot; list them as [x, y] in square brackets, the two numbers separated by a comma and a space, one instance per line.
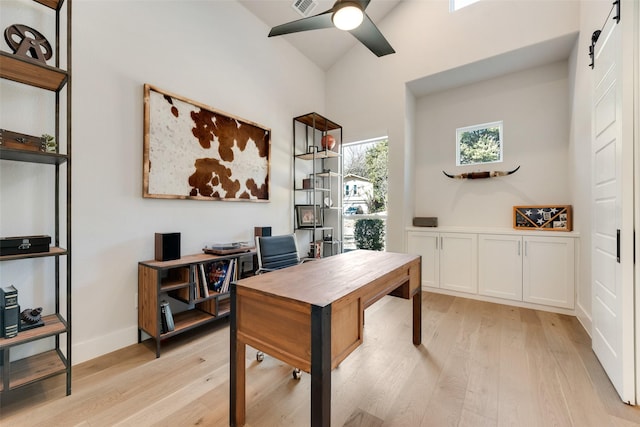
[316, 22]
[363, 3]
[370, 36]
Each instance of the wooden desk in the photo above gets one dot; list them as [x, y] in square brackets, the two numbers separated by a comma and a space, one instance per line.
[311, 316]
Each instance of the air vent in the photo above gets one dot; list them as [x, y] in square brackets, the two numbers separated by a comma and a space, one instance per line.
[304, 7]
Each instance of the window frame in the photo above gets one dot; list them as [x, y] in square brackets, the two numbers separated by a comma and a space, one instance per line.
[460, 131]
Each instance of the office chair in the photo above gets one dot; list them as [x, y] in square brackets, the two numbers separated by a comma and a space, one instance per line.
[275, 253]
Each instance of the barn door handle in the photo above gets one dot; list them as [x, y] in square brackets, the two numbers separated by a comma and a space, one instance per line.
[618, 246]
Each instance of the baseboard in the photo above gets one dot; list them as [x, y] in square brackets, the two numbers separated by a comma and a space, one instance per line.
[584, 318]
[103, 344]
[567, 311]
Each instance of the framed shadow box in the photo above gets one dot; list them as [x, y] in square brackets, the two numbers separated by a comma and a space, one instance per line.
[548, 218]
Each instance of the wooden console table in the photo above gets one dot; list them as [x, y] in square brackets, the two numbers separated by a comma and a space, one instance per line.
[311, 316]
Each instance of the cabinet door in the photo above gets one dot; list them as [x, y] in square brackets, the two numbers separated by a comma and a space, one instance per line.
[500, 266]
[425, 244]
[548, 271]
[459, 262]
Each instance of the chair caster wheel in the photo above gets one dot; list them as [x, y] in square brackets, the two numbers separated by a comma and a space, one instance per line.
[259, 356]
[297, 374]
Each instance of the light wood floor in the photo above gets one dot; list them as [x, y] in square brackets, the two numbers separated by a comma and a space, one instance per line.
[480, 364]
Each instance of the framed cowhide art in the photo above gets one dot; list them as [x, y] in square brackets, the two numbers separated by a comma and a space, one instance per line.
[192, 151]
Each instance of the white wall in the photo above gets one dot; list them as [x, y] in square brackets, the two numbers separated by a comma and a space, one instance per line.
[367, 95]
[534, 108]
[214, 52]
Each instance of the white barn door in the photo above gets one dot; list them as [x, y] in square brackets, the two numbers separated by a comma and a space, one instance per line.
[613, 210]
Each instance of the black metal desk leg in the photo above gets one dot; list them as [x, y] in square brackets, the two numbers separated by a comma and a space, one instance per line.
[320, 366]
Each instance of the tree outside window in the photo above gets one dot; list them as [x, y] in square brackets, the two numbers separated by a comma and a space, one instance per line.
[479, 144]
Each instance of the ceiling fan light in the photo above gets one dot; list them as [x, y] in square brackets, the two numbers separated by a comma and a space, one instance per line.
[347, 17]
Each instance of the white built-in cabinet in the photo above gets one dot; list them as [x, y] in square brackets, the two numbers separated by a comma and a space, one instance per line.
[512, 266]
[449, 260]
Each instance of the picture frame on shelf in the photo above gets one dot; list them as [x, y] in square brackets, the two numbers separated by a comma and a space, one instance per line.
[308, 216]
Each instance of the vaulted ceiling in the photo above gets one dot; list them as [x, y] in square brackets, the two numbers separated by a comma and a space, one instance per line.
[323, 47]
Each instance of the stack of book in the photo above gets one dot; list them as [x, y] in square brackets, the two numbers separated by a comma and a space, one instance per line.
[215, 277]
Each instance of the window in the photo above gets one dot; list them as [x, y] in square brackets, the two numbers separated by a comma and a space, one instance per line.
[479, 144]
[459, 4]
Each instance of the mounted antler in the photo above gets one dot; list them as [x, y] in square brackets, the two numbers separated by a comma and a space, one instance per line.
[479, 175]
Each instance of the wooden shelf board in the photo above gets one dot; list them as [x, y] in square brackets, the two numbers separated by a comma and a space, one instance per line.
[35, 368]
[53, 251]
[224, 307]
[312, 189]
[317, 121]
[328, 174]
[32, 156]
[53, 4]
[187, 320]
[191, 259]
[31, 73]
[172, 285]
[325, 154]
[53, 325]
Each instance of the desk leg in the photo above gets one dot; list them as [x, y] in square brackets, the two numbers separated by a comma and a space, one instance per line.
[417, 318]
[237, 394]
[320, 366]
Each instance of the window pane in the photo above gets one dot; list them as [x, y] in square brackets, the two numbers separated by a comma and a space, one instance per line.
[459, 4]
[479, 144]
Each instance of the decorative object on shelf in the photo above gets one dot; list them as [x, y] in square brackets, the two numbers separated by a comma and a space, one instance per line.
[31, 318]
[346, 16]
[328, 142]
[308, 183]
[328, 202]
[9, 312]
[228, 248]
[28, 43]
[315, 249]
[167, 246]
[21, 141]
[425, 221]
[24, 245]
[262, 231]
[177, 131]
[308, 216]
[480, 175]
[50, 144]
[552, 218]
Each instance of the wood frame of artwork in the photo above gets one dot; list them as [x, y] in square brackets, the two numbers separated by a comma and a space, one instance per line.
[548, 218]
[193, 151]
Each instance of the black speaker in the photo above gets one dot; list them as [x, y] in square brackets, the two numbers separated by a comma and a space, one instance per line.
[167, 246]
[262, 231]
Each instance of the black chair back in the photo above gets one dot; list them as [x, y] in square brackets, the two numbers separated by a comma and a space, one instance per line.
[276, 252]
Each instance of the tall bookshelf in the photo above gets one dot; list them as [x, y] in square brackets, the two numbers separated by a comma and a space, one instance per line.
[320, 167]
[57, 323]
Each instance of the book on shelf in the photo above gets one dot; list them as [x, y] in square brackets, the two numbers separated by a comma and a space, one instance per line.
[9, 312]
[203, 290]
[217, 273]
[166, 317]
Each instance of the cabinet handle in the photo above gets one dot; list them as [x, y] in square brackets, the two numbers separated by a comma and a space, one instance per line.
[618, 246]
[519, 243]
[441, 243]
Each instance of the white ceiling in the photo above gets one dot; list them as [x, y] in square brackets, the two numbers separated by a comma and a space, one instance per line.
[323, 47]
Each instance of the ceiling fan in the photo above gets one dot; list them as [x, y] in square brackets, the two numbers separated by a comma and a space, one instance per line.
[347, 15]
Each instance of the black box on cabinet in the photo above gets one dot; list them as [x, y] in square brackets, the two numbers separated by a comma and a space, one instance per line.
[425, 221]
[24, 245]
[167, 246]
